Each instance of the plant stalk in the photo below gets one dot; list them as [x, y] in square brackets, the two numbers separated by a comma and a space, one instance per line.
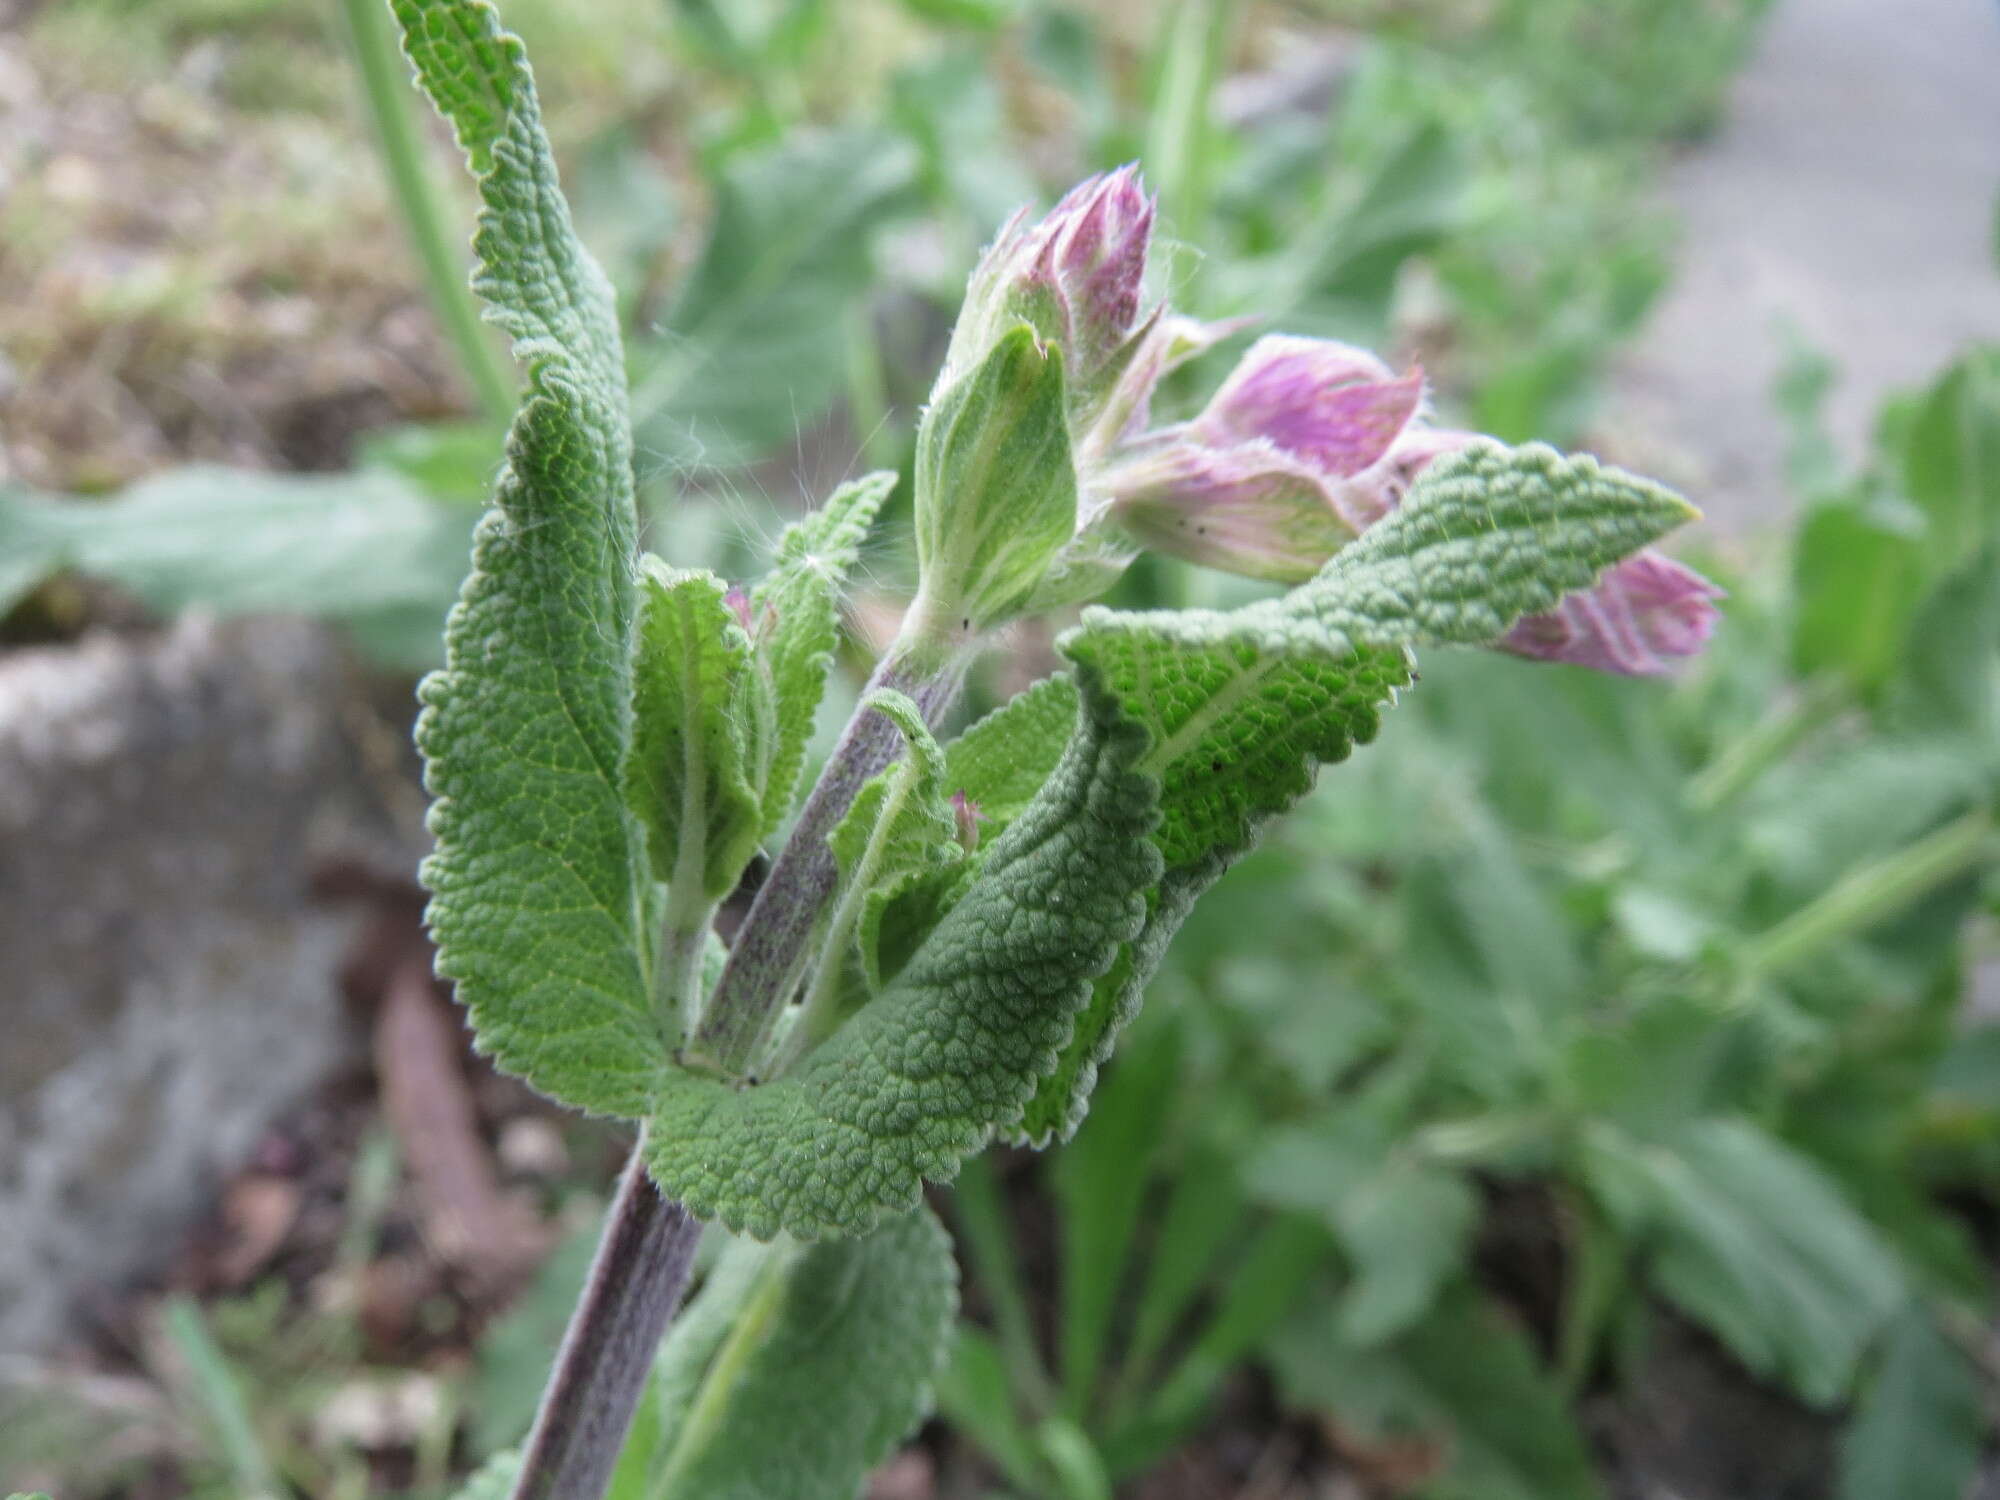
[764, 962]
[634, 1287]
[385, 77]
[642, 1262]
[1872, 893]
[1743, 762]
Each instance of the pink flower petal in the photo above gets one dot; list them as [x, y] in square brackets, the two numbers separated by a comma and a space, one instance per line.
[1645, 614]
[1247, 509]
[1330, 405]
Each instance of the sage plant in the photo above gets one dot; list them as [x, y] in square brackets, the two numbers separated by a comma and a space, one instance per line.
[950, 936]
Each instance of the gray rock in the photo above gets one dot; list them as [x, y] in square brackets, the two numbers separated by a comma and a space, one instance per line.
[170, 981]
[1849, 196]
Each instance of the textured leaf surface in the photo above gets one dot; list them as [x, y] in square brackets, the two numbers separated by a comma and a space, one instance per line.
[1240, 709]
[690, 768]
[1193, 729]
[919, 1077]
[799, 1368]
[795, 615]
[542, 906]
[1002, 761]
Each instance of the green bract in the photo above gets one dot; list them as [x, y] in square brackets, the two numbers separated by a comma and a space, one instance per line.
[996, 487]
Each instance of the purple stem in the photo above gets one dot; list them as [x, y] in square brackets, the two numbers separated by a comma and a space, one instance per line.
[635, 1285]
[642, 1262]
[764, 963]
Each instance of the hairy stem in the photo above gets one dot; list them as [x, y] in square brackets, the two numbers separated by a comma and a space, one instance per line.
[635, 1285]
[1743, 762]
[764, 962]
[385, 77]
[649, 1241]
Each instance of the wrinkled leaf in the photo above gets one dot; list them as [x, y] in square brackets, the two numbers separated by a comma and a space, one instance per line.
[543, 905]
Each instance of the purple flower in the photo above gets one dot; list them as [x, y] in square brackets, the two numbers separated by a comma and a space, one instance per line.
[1307, 444]
[1644, 614]
[1290, 460]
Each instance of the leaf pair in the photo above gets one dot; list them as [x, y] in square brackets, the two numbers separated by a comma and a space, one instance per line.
[725, 704]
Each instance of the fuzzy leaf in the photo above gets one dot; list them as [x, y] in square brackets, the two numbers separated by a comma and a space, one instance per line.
[795, 615]
[1002, 761]
[1240, 709]
[1193, 728]
[689, 772]
[918, 1078]
[797, 1368]
[542, 904]
[1755, 1242]
[898, 834]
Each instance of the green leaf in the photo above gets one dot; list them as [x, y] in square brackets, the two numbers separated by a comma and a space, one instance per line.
[366, 550]
[919, 1077]
[1241, 709]
[1260, 1291]
[1948, 679]
[825, 1361]
[1193, 729]
[1002, 761]
[689, 774]
[1858, 576]
[995, 484]
[1405, 1224]
[898, 833]
[1757, 1244]
[795, 617]
[1464, 1383]
[1100, 1185]
[755, 346]
[543, 906]
[1951, 461]
[1921, 1426]
[974, 1395]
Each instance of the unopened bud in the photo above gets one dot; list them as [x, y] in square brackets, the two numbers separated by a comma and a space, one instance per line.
[965, 812]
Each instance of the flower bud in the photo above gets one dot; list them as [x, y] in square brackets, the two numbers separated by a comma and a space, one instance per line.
[995, 486]
[1073, 276]
[966, 817]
